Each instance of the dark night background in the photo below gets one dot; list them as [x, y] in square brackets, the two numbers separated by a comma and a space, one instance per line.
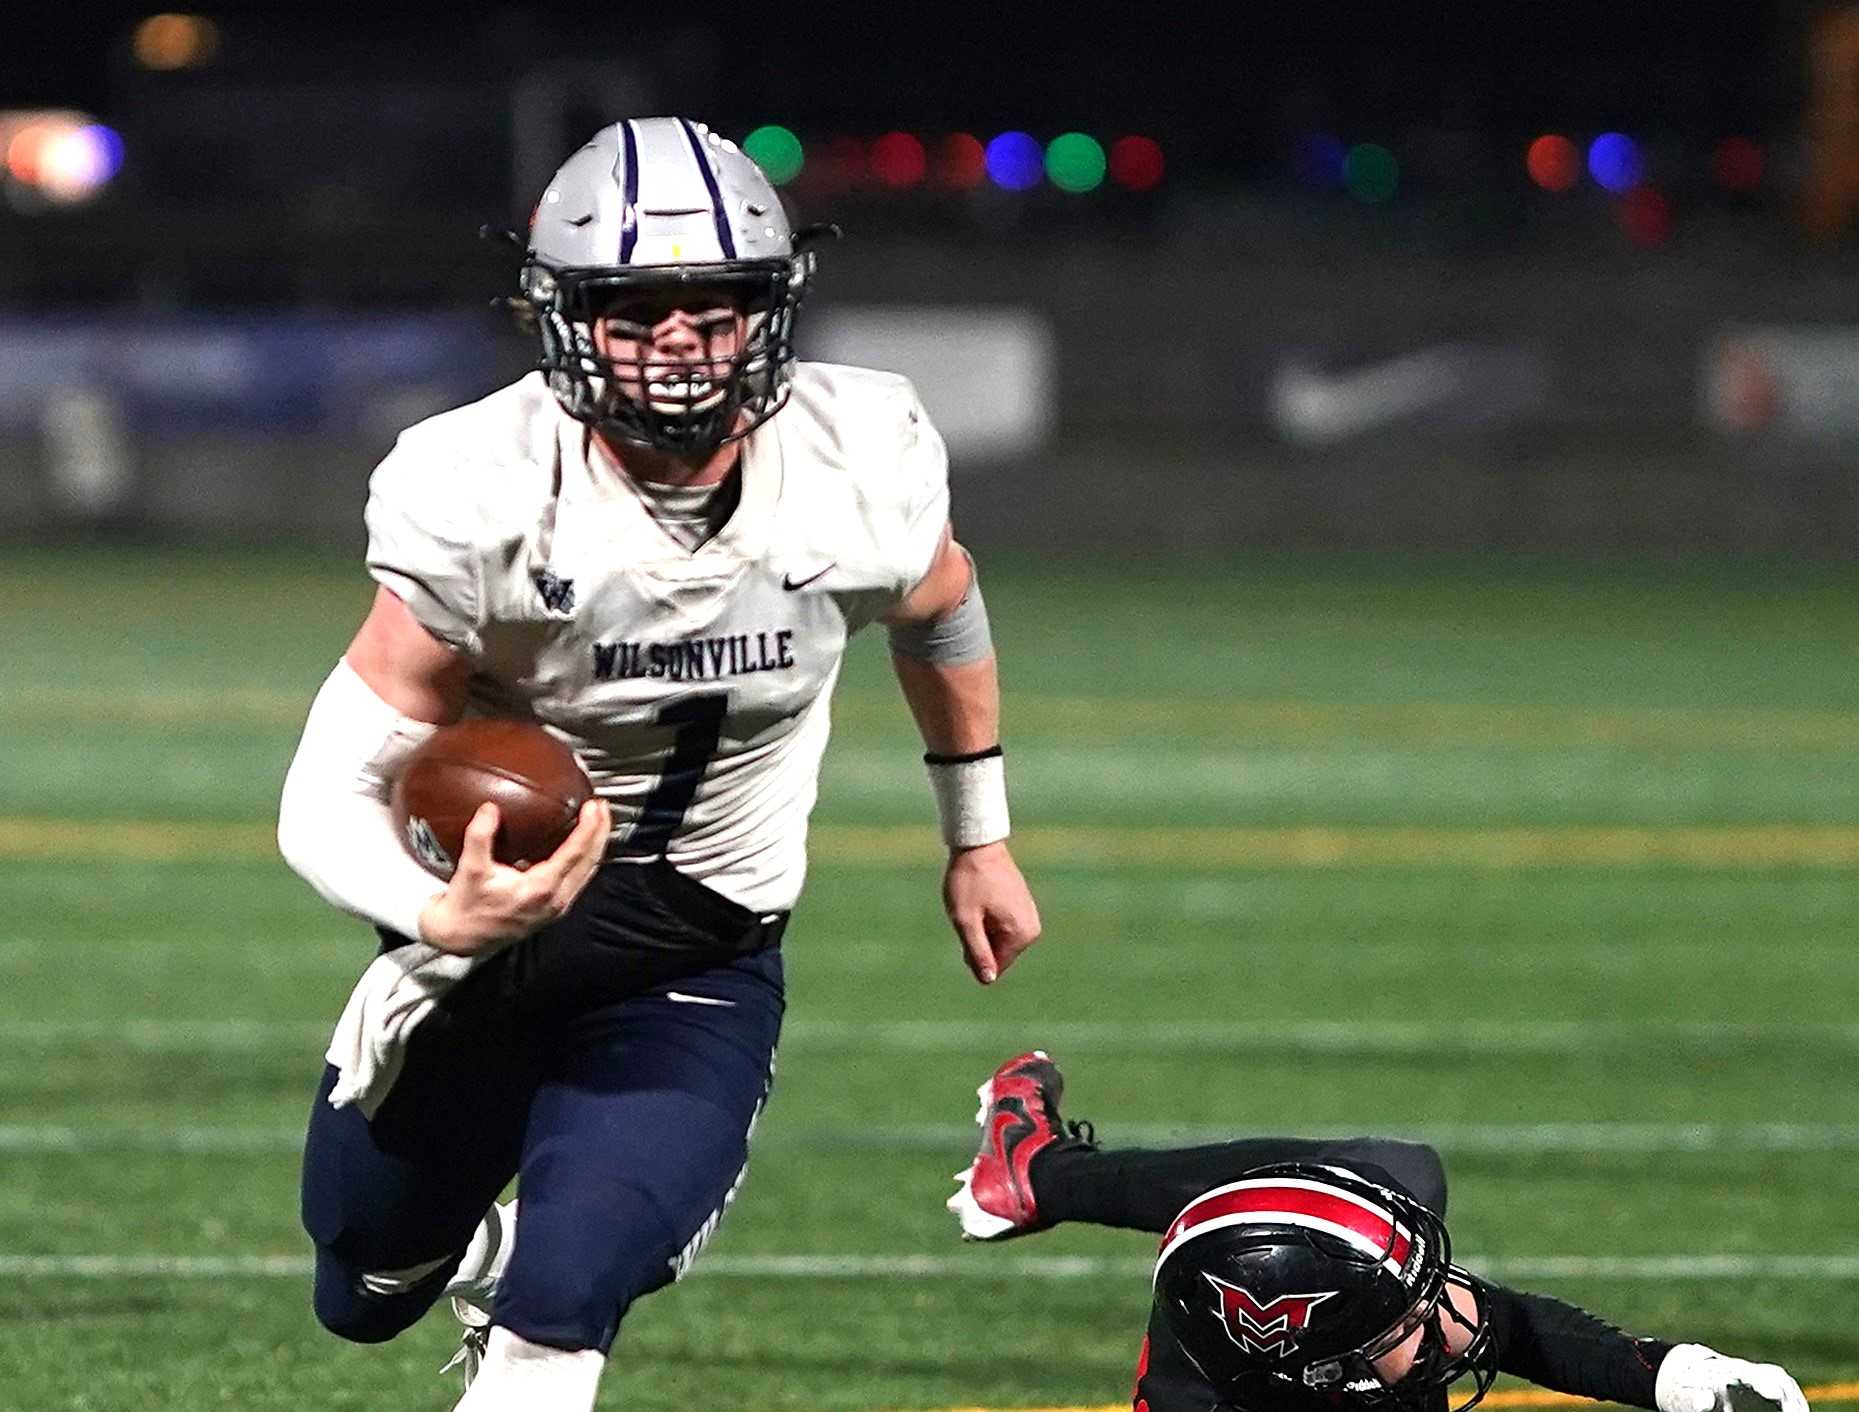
[330, 162]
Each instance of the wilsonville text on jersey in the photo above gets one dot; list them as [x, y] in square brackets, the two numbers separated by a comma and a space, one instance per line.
[696, 659]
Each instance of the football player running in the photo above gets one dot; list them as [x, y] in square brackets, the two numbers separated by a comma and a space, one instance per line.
[657, 546]
[1310, 1275]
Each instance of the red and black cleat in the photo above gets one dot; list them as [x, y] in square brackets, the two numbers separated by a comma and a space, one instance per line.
[1019, 1119]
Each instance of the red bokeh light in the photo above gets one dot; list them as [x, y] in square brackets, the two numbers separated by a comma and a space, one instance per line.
[1646, 216]
[26, 148]
[1136, 163]
[961, 162]
[1737, 164]
[1554, 163]
[898, 160]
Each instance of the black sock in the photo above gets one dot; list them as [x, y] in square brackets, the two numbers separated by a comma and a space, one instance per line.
[1143, 1189]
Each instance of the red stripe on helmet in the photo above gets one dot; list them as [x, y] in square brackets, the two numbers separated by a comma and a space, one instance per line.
[1300, 1205]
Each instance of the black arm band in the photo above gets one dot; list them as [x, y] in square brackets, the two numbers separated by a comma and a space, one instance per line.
[931, 757]
[1565, 1349]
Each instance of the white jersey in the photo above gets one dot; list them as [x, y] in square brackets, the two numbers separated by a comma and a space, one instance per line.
[692, 684]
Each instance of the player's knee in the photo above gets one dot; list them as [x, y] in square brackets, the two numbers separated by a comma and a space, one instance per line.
[357, 1318]
[350, 1311]
[1415, 1165]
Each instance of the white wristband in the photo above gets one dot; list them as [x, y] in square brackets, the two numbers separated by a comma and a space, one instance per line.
[971, 797]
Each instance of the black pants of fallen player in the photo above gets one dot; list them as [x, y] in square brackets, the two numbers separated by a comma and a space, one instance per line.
[1144, 1190]
[614, 1063]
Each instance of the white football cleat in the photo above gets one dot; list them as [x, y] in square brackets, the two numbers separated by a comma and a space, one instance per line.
[472, 1342]
[473, 1289]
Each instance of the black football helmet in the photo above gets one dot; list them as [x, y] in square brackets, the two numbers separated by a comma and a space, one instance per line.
[1300, 1276]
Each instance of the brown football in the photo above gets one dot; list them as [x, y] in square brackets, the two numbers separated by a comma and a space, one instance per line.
[534, 780]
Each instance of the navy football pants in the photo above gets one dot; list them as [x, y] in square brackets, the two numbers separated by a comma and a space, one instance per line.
[627, 1126]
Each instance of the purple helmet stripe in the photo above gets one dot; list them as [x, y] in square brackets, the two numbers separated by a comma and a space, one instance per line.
[724, 238]
[629, 217]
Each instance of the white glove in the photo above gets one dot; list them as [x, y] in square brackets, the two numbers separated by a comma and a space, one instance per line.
[1694, 1378]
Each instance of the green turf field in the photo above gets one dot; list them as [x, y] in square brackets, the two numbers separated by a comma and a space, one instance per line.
[1553, 863]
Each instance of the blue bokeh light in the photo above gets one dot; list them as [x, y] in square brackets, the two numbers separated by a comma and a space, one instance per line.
[1615, 162]
[1317, 160]
[108, 146]
[1016, 162]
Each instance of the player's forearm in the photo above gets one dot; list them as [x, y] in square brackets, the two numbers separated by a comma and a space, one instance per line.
[943, 654]
[957, 708]
[1566, 1349]
[958, 712]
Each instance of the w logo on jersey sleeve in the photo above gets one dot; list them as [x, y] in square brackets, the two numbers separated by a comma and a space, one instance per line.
[1270, 1328]
[557, 593]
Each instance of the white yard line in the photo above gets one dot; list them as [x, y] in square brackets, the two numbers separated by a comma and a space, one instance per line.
[1585, 1137]
[1556, 1037]
[968, 1264]
[954, 1138]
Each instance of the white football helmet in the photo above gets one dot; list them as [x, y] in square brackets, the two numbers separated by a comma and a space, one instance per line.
[650, 204]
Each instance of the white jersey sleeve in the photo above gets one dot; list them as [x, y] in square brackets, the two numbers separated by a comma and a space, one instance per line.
[923, 466]
[862, 448]
[419, 549]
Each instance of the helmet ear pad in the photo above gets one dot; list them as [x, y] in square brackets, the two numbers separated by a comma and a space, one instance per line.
[1300, 1276]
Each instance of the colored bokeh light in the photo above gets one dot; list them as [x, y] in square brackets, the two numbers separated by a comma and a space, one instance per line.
[1015, 161]
[108, 146]
[60, 154]
[899, 161]
[1646, 216]
[1317, 161]
[1738, 164]
[1135, 163]
[22, 150]
[64, 157]
[169, 42]
[961, 162]
[1371, 173]
[1554, 163]
[1075, 162]
[777, 151]
[1615, 162]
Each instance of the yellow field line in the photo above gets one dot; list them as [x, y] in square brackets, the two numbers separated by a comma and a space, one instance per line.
[1110, 719]
[24, 838]
[1509, 1397]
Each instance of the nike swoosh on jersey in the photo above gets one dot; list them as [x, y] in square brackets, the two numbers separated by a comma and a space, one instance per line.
[790, 583]
[684, 999]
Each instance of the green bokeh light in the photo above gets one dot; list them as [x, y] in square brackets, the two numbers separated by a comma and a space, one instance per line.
[776, 151]
[1371, 173]
[1075, 162]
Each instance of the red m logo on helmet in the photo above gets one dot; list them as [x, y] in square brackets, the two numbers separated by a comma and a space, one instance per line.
[1271, 1328]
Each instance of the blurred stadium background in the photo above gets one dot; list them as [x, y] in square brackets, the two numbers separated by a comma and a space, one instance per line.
[1412, 450]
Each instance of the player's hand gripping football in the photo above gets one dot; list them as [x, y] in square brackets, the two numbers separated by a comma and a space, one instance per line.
[990, 907]
[488, 904]
[1693, 1378]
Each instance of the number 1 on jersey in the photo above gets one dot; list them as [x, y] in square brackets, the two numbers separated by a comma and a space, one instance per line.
[699, 723]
